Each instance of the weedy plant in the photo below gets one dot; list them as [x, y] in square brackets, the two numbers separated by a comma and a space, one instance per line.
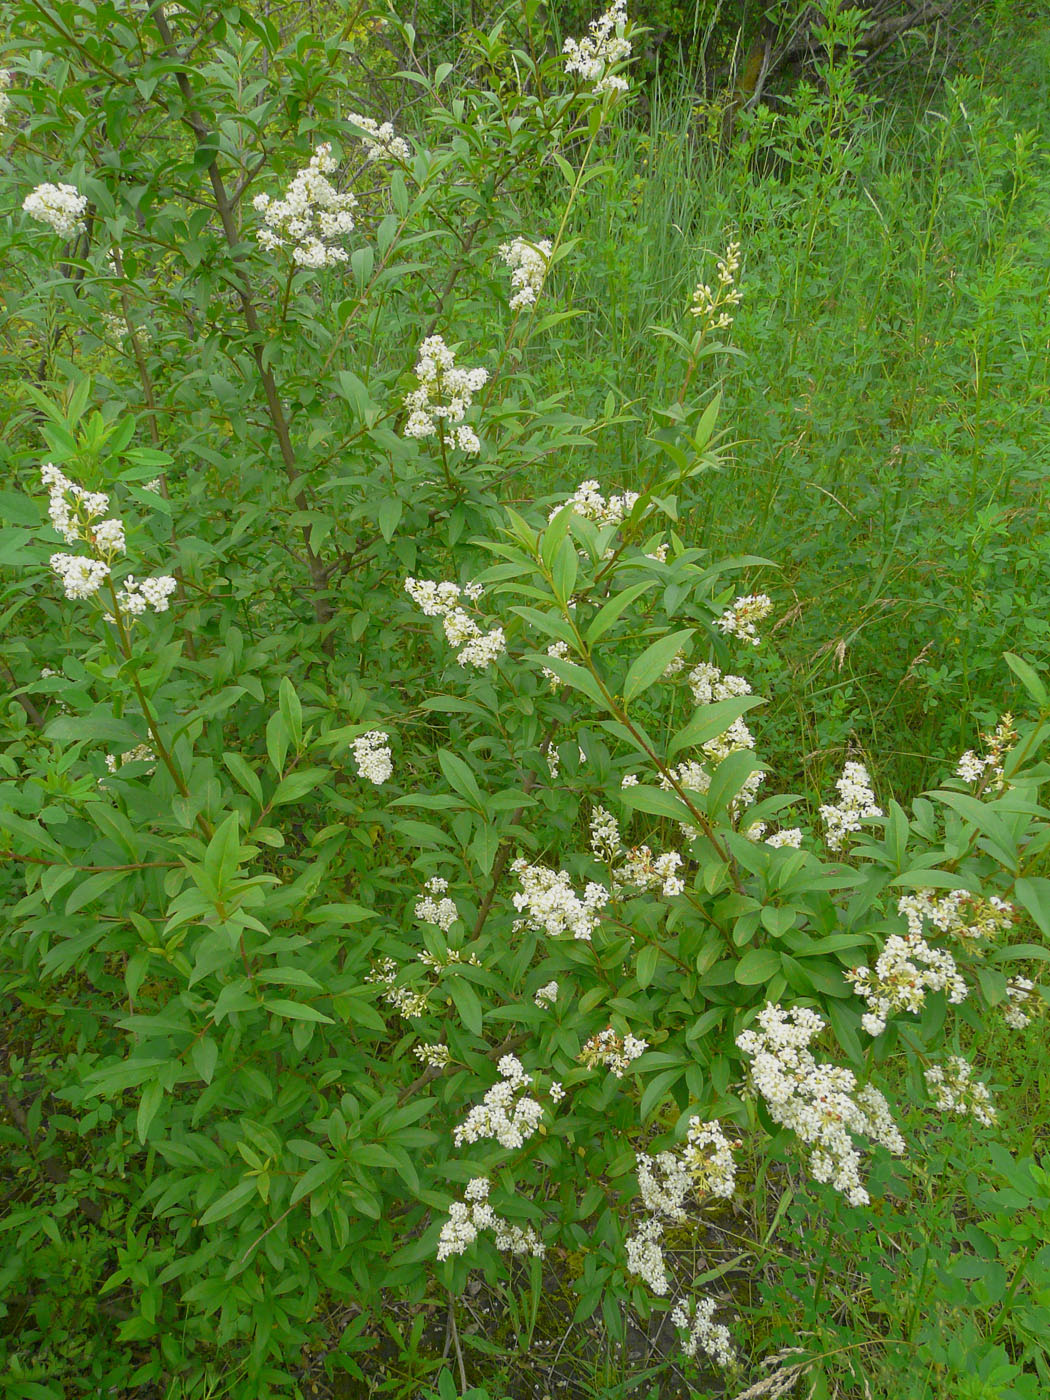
[395, 892]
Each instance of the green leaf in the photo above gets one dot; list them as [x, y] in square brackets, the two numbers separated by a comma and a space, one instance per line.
[296, 1011]
[566, 568]
[244, 775]
[320, 1174]
[646, 966]
[32, 832]
[656, 1090]
[985, 819]
[659, 803]
[224, 852]
[152, 1098]
[728, 778]
[653, 662]
[297, 784]
[1034, 893]
[92, 887]
[757, 965]
[204, 1055]
[461, 779]
[573, 675]
[292, 711]
[340, 914]
[1029, 678]
[466, 1002]
[277, 738]
[709, 721]
[229, 1201]
[610, 612]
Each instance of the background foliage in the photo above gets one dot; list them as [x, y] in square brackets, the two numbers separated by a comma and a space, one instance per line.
[228, 1168]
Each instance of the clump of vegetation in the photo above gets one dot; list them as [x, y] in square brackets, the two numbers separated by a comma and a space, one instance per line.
[429, 960]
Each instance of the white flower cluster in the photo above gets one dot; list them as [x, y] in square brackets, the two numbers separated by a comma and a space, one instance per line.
[972, 769]
[694, 777]
[705, 1335]
[310, 215]
[560, 651]
[60, 206]
[466, 1218]
[708, 1157]
[476, 648]
[372, 756]
[72, 511]
[442, 395]
[705, 1166]
[957, 914]
[587, 501]
[546, 995]
[506, 1113]
[442, 912]
[438, 599]
[550, 905]
[956, 1091]
[614, 1051]
[80, 577]
[739, 620]
[713, 307]
[648, 872]
[708, 684]
[406, 1001]
[820, 1103]
[141, 753]
[787, 836]
[5, 101]
[528, 267]
[676, 665]
[433, 1056]
[450, 958]
[136, 595]
[858, 803]
[592, 58]
[605, 835]
[1021, 1003]
[906, 969]
[645, 1258]
[115, 327]
[637, 865]
[379, 141]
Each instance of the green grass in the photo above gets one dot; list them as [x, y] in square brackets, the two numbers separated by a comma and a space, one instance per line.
[888, 414]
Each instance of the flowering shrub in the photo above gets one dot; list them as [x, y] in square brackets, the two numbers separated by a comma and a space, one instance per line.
[399, 866]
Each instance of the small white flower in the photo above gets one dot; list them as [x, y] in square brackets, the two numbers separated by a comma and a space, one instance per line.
[591, 58]
[59, 206]
[372, 756]
[379, 141]
[311, 214]
[612, 1050]
[715, 308]
[857, 805]
[81, 578]
[740, 619]
[550, 904]
[528, 266]
[821, 1103]
[433, 1056]
[956, 1091]
[704, 1334]
[442, 395]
